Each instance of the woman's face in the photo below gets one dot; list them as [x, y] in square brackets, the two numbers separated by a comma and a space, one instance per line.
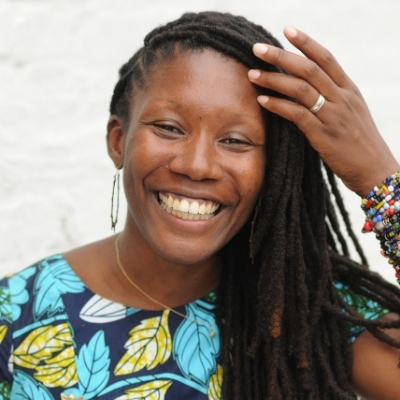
[194, 155]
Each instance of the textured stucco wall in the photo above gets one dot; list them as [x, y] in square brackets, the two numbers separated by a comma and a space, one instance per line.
[59, 62]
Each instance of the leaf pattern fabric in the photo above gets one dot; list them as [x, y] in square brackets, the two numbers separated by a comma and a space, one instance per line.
[93, 364]
[215, 386]
[41, 343]
[362, 305]
[192, 340]
[149, 391]
[148, 346]
[59, 338]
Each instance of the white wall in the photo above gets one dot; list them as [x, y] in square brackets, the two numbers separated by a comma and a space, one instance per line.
[58, 65]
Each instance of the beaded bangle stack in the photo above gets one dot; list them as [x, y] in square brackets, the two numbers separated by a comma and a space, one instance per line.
[382, 210]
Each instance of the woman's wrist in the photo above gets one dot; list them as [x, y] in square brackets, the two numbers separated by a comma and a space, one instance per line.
[382, 210]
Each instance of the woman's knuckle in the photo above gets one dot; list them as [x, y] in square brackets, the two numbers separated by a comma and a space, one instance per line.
[302, 88]
[279, 54]
[298, 113]
[311, 68]
[327, 57]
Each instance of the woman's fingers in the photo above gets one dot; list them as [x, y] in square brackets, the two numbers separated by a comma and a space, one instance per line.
[290, 86]
[319, 54]
[297, 114]
[296, 65]
[342, 131]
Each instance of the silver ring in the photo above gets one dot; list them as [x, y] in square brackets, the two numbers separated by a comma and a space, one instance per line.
[318, 104]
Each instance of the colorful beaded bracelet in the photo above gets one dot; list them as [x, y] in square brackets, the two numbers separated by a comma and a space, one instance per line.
[382, 211]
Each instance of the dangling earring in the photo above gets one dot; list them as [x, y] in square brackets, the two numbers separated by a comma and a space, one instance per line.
[253, 223]
[115, 193]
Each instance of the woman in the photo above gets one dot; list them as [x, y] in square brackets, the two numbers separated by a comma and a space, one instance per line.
[231, 277]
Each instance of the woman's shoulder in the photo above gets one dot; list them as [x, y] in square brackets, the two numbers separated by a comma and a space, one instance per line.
[44, 266]
[36, 283]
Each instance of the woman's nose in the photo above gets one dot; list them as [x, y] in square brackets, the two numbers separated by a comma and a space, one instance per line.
[197, 158]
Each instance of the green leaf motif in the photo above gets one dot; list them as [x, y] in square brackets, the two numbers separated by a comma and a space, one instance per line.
[211, 297]
[5, 390]
[155, 390]
[15, 294]
[5, 304]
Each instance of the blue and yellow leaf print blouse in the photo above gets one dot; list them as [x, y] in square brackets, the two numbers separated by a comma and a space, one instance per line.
[59, 339]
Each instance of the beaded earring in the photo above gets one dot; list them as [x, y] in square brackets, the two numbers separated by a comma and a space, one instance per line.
[253, 223]
[115, 196]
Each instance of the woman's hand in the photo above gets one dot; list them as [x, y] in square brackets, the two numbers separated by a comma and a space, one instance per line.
[342, 131]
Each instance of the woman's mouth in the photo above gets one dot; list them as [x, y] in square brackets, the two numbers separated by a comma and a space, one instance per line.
[187, 208]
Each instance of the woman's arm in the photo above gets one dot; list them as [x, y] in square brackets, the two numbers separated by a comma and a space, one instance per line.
[376, 365]
[343, 132]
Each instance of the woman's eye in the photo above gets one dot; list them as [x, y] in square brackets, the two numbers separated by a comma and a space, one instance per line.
[167, 128]
[236, 143]
[233, 141]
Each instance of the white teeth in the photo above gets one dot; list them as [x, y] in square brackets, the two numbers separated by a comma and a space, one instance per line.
[194, 208]
[185, 210]
[215, 208]
[184, 206]
[176, 205]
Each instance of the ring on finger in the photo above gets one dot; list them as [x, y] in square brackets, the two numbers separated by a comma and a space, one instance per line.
[318, 104]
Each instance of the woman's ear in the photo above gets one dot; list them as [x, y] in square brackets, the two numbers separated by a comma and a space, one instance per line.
[116, 140]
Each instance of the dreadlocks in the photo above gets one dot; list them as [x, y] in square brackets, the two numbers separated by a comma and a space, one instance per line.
[283, 324]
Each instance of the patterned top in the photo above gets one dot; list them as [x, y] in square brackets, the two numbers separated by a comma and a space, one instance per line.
[59, 339]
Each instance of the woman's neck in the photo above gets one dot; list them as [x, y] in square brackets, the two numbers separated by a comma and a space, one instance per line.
[168, 282]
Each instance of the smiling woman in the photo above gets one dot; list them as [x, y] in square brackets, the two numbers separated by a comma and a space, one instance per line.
[231, 278]
[196, 135]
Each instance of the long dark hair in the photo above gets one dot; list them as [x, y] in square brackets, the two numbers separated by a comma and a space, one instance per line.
[283, 324]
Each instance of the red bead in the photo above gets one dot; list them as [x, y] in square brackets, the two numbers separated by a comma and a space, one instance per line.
[386, 192]
[369, 204]
[391, 202]
[367, 227]
[390, 211]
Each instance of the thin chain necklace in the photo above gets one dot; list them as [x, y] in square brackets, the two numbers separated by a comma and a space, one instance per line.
[210, 328]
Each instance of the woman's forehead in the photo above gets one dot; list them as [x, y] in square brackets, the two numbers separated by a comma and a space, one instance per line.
[202, 75]
[199, 85]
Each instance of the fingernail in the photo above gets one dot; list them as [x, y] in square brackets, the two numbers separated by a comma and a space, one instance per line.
[254, 74]
[290, 31]
[263, 99]
[260, 48]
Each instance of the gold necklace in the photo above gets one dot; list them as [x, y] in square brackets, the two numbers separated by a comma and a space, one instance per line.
[210, 328]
